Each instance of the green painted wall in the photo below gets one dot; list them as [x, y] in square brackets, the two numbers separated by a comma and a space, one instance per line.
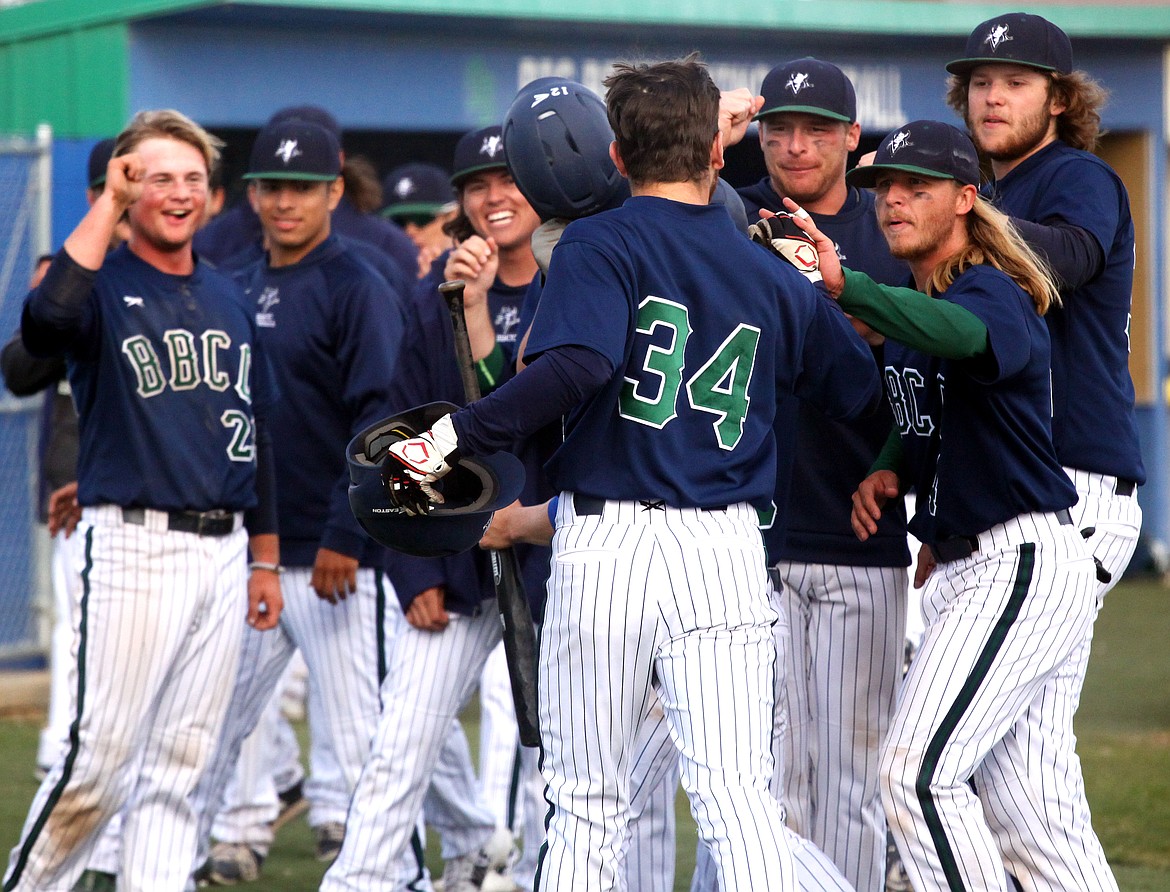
[76, 80]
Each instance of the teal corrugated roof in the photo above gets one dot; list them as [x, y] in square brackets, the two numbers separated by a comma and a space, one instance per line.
[843, 16]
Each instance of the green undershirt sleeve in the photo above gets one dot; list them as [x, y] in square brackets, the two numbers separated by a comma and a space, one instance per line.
[890, 458]
[489, 369]
[937, 327]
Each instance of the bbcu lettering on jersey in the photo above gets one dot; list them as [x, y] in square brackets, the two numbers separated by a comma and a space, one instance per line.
[906, 389]
[192, 360]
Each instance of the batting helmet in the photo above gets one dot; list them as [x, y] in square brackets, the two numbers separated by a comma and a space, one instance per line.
[556, 143]
[475, 487]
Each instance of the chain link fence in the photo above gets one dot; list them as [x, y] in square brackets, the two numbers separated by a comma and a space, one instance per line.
[25, 233]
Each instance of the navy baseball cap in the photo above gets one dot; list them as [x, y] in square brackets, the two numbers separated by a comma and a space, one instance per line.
[478, 150]
[1019, 38]
[811, 86]
[930, 148]
[99, 160]
[312, 113]
[294, 150]
[417, 190]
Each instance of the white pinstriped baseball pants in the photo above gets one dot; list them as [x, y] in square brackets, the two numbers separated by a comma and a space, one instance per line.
[847, 626]
[677, 600]
[429, 679]
[1042, 743]
[161, 617]
[1000, 625]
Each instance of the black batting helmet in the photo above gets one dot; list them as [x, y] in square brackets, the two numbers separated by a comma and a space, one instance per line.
[556, 143]
[474, 488]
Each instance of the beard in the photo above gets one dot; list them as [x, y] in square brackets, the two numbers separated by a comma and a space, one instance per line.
[1022, 141]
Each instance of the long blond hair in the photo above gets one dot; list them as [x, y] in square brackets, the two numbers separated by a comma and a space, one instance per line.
[994, 241]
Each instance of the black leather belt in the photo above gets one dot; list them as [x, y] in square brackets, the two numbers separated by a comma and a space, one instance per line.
[585, 506]
[202, 523]
[1125, 487]
[957, 548]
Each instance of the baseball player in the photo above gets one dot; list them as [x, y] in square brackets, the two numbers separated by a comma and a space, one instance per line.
[967, 371]
[420, 199]
[170, 385]
[845, 600]
[333, 328]
[1037, 120]
[658, 569]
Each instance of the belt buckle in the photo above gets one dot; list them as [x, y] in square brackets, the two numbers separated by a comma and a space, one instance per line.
[209, 520]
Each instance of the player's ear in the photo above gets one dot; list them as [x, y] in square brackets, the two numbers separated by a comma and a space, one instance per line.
[852, 136]
[965, 199]
[336, 190]
[615, 155]
[252, 198]
[717, 151]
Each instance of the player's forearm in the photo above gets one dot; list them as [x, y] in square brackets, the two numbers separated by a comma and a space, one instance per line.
[556, 382]
[936, 327]
[90, 241]
[25, 374]
[262, 518]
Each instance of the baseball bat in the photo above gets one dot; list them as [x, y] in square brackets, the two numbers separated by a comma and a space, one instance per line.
[519, 631]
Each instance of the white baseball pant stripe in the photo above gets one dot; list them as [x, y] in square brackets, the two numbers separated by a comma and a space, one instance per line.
[642, 595]
[1042, 742]
[814, 871]
[847, 626]
[160, 620]
[62, 660]
[999, 625]
[429, 680]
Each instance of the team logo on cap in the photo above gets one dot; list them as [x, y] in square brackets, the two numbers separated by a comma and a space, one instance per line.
[798, 82]
[492, 145]
[404, 187]
[996, 36]
[287, 150]
[900, 141]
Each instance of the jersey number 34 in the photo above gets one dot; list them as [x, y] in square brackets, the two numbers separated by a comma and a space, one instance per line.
[719, 387]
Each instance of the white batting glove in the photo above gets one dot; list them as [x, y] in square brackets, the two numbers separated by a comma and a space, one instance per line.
[423, 460]
[785, 239]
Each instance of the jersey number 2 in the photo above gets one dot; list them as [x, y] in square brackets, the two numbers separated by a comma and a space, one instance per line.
[719, 387]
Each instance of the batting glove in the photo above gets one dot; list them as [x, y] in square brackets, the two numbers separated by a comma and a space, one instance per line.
[413, 465]
[785, 239]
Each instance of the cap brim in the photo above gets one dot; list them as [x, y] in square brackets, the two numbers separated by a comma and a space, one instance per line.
[962, 66]
[865, 177]
[290, 175]
[410, 209]
[807, 109]
[457, 178]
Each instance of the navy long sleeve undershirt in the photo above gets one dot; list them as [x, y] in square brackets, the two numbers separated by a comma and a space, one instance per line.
[1072, 253]
[559, 380]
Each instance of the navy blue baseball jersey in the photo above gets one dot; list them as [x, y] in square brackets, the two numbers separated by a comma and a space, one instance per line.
[830, 456]
[332, 328]
[188, 378]
[984, 421]
[695, 359]
[1091, 386]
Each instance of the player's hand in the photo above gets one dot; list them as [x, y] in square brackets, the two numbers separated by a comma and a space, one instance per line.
[518, 523]
[64, 511]
[419, 461]
[830, 263]
[124, 182]
[265, 601]
[871, 496]
[780, 235]
[476, 261]
[334, 575]
[427, 612]
[926, 565]
[871, 337]
[736, 110]
[427, 255]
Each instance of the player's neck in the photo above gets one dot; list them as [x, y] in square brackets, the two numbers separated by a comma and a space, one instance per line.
[517, 265]
[1002, 167]
[179, 262]
[279, 256]
[689, 192]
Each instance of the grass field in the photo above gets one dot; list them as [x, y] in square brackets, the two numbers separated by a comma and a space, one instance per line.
[1123, 726]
